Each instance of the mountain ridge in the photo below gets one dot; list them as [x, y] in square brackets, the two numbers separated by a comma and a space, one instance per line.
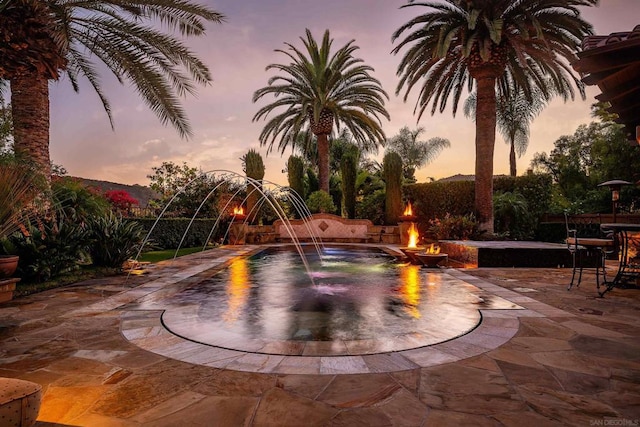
[139, 192]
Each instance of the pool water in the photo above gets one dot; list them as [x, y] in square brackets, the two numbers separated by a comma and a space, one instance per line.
[352, 301]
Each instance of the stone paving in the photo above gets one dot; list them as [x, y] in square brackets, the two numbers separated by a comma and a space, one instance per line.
[567, 358]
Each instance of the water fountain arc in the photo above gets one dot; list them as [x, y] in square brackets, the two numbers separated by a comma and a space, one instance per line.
[267, 196]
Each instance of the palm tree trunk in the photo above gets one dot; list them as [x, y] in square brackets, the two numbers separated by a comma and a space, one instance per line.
[485, 142]
[323, 161]
[30, 110]
[512, 159]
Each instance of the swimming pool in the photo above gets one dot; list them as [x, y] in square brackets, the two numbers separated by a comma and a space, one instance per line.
[354, 301]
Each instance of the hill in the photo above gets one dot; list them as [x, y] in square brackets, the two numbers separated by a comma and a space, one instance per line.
[139, 192]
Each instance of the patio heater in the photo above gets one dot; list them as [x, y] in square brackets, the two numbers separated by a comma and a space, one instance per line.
[614, 185]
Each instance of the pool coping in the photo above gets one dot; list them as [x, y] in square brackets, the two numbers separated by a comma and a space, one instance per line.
[144, 328]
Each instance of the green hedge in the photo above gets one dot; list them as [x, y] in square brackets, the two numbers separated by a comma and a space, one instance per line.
[436, 199]
[168, 232]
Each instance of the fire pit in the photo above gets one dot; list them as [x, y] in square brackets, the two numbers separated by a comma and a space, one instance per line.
[411, 254]
[408, 215]
[431, 257]
[238, 214]
[430, 260]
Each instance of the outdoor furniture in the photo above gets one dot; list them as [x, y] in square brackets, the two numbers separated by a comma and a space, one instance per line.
[588, 247]
[19, 402]
[628, 266]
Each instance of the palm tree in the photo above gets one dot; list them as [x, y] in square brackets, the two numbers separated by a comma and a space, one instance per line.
[317, 90]
[462, 44]
[6, 123]
[513, 115]
[45, 39]
[414, 153]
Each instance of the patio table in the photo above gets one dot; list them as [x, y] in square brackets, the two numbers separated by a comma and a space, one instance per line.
[628, 268]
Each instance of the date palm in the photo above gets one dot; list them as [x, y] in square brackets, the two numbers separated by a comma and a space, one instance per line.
[46, 39]
[513, 117]
[316, 91]
[459, 45]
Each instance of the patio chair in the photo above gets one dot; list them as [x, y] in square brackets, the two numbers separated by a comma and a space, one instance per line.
[587, 245]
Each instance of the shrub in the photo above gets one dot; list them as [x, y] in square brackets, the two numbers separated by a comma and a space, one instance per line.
[114, 240]
[19, 188]
[437, 199]
[47, 249]
[392, 175]
[76, 202]
[169, 232]
[320, 201]
[512, 216]
[121, 200]
[457, 227]
[372, 207]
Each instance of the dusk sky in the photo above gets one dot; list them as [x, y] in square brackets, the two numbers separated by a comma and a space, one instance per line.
[237, 53]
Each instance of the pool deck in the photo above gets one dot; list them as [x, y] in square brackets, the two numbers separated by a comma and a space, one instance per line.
[565, 358]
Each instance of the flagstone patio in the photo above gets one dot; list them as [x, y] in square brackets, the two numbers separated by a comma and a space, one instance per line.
[565, 358]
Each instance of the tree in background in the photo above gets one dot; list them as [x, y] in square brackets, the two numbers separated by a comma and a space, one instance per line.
[595, 153]
[392, 175]
[349, 175]
[253, 167]
[514, 116]
[181, 190]
[414, 153]
[121, 200]
[317, 90]
[46, 39]
[295, 176]
[458, 44]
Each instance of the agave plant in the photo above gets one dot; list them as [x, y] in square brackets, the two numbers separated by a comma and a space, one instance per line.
[114, 240]
[20, 187]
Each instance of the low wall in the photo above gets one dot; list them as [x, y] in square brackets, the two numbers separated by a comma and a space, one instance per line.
[327, 227]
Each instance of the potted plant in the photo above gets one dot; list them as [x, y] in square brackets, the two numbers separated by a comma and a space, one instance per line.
[19, 188]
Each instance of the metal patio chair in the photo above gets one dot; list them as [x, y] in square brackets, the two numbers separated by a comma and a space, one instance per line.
[587, 245]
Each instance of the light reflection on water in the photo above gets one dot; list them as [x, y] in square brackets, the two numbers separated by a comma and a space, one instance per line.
[358, 295]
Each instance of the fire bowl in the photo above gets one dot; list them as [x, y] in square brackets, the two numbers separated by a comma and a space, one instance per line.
[408, 218]
[411, 254]
[430, 260]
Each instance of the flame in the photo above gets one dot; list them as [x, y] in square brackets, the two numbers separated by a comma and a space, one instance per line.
[410, 289]
[413, 236]
[238, 211]
[433, 249]
[237, 288]
[408, 211]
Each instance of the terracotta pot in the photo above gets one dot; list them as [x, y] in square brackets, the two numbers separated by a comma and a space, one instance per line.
[8, 265]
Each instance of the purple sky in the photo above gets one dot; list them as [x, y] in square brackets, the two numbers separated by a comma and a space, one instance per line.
[237, 53]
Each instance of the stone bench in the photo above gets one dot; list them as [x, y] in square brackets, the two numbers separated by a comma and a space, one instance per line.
[19, 402]
[327, 227]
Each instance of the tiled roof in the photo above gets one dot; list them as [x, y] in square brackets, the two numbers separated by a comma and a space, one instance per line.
[613, 64]
[592, 42]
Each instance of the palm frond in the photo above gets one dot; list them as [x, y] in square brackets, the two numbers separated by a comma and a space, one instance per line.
[140, 41]
[317, 81]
